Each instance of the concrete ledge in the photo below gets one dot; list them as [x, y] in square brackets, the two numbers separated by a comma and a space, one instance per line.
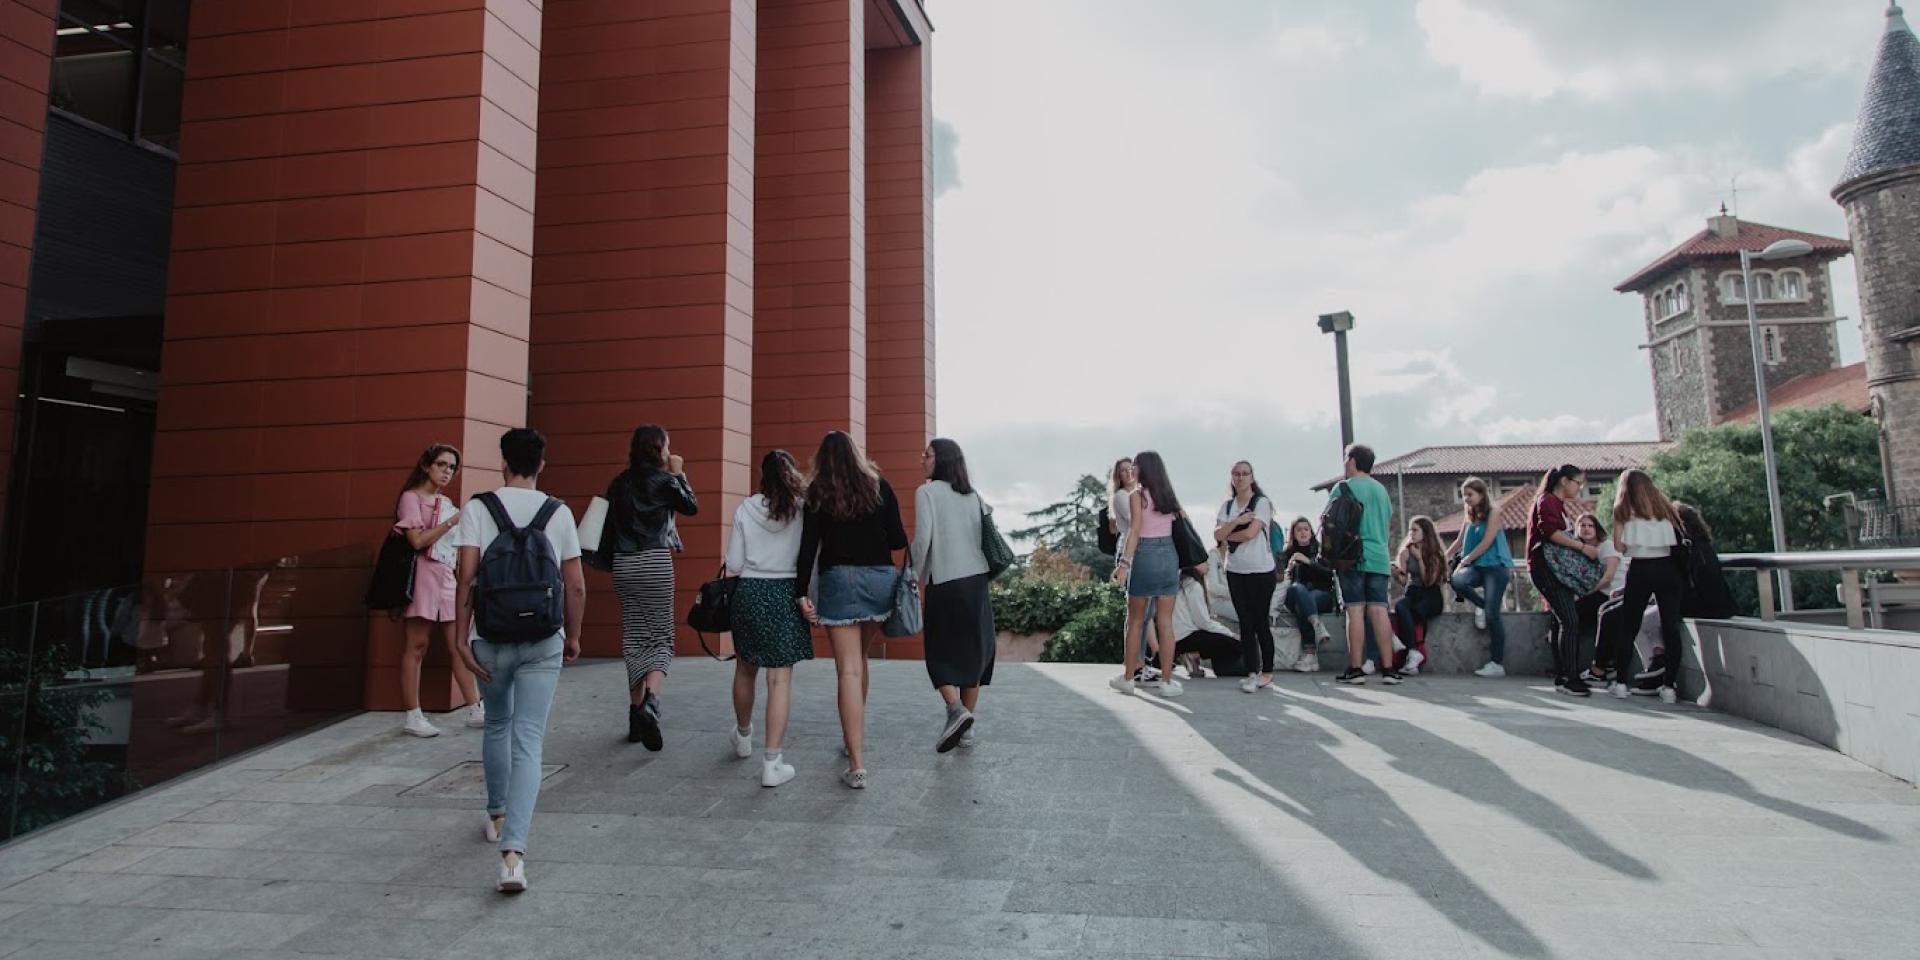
[1852, 690]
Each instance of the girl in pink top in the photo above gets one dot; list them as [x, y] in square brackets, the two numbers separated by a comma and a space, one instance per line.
[427, 517]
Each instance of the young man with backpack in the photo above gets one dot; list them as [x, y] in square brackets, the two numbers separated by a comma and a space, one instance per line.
[1353, 541]
[519, 604]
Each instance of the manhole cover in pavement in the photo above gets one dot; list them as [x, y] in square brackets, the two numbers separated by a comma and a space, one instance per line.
[467, 781]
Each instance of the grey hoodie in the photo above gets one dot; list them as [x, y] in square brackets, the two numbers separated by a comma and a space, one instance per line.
[762, 548]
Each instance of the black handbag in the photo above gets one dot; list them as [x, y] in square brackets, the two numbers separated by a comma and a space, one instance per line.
[712, 610]
[1187, 545]
[392, 585]
[993, 546]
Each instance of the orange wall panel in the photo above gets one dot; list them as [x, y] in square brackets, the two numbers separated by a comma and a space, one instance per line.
[899, 280]
[26, 35]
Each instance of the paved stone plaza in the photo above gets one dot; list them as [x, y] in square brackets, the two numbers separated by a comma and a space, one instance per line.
[1446, 818]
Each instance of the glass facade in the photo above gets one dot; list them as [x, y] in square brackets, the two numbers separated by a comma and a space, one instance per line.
[119, 65]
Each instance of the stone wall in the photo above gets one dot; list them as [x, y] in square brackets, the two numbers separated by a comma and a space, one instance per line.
[1883, 217]
[1680, 387]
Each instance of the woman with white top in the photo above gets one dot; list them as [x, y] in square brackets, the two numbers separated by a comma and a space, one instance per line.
[958, 622]
[768, 631]
[1645, 531]
[426, 517]
[1241, 530]
[1200, 636]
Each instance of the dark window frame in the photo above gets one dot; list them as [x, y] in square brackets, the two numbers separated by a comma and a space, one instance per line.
[142, 49]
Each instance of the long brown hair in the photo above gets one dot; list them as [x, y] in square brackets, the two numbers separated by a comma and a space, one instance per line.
[1433, 560]
[1639, 499]
[845, 485]
[419, 474]
[1113, 476]
[781, 484]
[1483, 512]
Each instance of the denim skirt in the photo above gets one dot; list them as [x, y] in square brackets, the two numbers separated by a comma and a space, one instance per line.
[854, 594]
[1156, 569]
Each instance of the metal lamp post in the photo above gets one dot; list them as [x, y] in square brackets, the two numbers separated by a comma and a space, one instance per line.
[1777, 250]
[1338, 324]
[1400, 483]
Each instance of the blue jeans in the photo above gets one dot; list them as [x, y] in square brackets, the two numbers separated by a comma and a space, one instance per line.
[518, 697]
[1305, 603]
[1469, 583]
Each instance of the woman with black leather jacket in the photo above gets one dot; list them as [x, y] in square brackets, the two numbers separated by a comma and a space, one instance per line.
[641, 538]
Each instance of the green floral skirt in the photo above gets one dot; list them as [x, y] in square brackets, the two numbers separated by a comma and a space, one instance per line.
[768, 630]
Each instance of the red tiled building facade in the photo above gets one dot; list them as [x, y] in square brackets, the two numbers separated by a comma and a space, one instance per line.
[399, 222]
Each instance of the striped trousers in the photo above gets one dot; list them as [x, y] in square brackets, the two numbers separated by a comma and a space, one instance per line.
[644, 583]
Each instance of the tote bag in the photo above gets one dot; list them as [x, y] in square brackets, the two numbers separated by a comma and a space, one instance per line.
[905, 620]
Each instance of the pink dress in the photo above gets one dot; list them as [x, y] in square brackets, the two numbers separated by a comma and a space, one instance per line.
[432, 569]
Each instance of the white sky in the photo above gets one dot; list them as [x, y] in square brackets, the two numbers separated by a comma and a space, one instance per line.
[1145, 204]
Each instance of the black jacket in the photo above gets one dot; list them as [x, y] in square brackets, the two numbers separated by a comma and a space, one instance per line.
[1311, 573]
[640, 511]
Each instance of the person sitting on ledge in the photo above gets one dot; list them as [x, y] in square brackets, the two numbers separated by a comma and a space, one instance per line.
[1203, 638]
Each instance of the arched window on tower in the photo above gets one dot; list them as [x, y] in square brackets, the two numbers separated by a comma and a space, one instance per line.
[1762, 287]
[1733, 288]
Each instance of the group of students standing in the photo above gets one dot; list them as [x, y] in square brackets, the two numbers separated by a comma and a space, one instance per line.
[808, 551]
[1601, 596]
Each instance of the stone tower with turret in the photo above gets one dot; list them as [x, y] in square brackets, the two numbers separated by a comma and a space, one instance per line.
[1880, 192]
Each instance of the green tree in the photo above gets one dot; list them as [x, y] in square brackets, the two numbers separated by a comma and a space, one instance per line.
[47, 766]
[1721, 471]
[1070, 526]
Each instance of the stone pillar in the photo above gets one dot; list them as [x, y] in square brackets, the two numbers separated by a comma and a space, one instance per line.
[26, 55]
[643, 292]
[899, 247]
[809, 257]
[349, 275]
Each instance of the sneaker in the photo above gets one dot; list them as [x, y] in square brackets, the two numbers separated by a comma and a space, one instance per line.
[1643, 691]
[854, 779]
[1308, 663]
[967, 741]
[1414, 659]
[1367, 668]
[1596, 678]
[742, 743]
[1249, 685]
[1320, 634]
[1619, 690]
[643, 724]
[957, 726]
[476, 715]
[492, 830]
[1354, 676]
[417, 725]
[513, 879]
[1491, 670]
[1170, 688]
[1149, 674]
[1575, 687]
[1121, 684]
[1479, 618]
[1392, 678]
[775, 772]
[1669, 695]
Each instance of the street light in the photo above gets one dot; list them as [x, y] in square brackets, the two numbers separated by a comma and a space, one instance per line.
[1777, 250]
[1338, 324]
[1400, 482]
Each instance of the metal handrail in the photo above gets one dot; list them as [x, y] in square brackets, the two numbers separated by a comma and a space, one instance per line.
[1863, 607]
[1906, 558]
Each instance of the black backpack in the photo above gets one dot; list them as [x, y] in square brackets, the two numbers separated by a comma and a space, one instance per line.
[517, 593]
[1340, 546]
[1103, 535]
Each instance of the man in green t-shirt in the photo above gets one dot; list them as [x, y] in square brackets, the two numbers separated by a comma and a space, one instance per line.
[1363, 589]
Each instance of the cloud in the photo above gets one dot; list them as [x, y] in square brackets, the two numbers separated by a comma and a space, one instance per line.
[1313, 43]
[1538, 49]
[1640, 426]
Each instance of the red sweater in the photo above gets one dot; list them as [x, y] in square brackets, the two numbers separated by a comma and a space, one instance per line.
[1549, 517]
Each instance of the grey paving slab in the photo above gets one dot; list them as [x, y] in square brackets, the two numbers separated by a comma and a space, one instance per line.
[1450, 817]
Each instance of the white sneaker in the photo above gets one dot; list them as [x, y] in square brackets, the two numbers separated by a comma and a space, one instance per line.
[477, 715]
[1414, 660]
[1367, 667]
[1308, 663]
[742, 745]
[491, 831]
[1491, 670]
[417, 725]
[968, 742]
[1171, 688]
[1479, 618]
[1249, 685]
[1618, 690]
[512, 879]
[1121, 684]
[775, 772]
[1669, 695]
[1320, 635]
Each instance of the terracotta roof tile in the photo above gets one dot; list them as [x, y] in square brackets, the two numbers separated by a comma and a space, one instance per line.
[1706, 243]
[1846, 386]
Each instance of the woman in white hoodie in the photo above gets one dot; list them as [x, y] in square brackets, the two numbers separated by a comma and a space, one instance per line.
[768, 630]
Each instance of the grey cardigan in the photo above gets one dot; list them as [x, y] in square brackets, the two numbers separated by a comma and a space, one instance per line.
[946, 533]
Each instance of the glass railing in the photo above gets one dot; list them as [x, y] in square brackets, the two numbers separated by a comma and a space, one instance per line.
[106, 692]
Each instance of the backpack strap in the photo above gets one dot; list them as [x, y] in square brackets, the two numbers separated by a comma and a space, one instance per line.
[547, 510]
[491, 501]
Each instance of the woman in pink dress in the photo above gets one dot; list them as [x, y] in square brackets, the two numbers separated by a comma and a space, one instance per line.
[427, 517]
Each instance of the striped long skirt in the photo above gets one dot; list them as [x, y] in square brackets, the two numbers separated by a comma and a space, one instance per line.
[644, 583]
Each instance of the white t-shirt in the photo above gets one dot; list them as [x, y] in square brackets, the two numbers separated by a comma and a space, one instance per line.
[1619, 572]
[477, 528]
[1253, 556]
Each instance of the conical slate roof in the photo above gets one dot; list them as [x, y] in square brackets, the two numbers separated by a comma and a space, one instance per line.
[1887, 136]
